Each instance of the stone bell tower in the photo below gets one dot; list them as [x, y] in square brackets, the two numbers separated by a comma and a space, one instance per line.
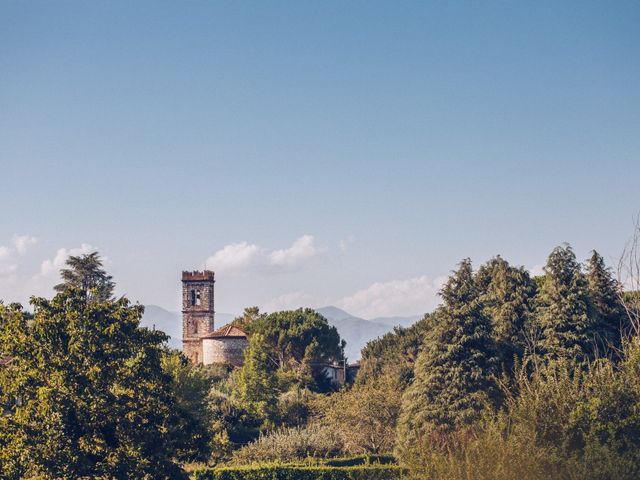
[197, 311]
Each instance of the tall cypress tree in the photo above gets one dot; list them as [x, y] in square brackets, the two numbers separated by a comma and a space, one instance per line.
[605, 309]
[562, 312]
[506, 294]
[455, 371]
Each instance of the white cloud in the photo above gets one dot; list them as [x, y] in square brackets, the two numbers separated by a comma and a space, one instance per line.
[398, 297]
[536, 270]
[288, 301]
[52, 266]
[302, 250]
[236, 256]
[7, 261]
[244, 257]
[22, 243]
[9, 255]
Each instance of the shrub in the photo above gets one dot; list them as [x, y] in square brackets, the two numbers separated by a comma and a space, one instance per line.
[564, 422]
[364, 417]
[361, 460]
[290, 444]
[298, 472]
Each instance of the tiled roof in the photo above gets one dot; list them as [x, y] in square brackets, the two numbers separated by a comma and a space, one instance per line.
[228, 331]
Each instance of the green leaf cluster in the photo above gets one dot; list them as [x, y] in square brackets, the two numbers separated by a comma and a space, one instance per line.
[455, 374]
[287, 350]
[86, 394]
[85, 273]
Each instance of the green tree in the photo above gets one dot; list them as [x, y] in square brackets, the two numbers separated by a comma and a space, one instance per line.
[605, 309]
[296, 344]
[86, 393]
[506, 294]
[190, 429]
[455, 371]
[250, 315]
[255, 386]
[85, 273]
[395, 353]
[231, 425]
[562, 311]
[364, 417]
[287, 351]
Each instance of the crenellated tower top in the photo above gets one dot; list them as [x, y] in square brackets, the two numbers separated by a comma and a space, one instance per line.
[198, 276]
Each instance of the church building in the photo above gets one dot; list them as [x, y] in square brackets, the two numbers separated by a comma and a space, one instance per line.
[201, 343]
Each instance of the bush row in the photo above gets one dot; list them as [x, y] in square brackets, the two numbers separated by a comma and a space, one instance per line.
[298, 472]
[359, 460]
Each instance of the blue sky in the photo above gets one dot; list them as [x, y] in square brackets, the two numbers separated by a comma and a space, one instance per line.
[313, 152]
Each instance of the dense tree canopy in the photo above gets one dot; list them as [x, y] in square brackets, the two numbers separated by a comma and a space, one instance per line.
[562, 312]
[87, 393]
[605, 308]
[506, 294]
[287, 350]
[395, 353]
[454, 378]
[297, 343]
[90, 393]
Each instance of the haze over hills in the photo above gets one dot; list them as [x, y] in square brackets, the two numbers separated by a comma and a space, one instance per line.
[354, 330]
[358, 331]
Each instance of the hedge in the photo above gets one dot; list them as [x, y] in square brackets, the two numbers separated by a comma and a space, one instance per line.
[360, 460]
[298, 472]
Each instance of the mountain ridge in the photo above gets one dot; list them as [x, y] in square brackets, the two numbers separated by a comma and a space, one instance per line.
[356, 331]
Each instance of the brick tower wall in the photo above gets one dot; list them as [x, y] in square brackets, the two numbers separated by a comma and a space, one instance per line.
[198, 313]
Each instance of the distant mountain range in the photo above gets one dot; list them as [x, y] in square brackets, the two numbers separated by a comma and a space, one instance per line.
[358, 331]
[355, 330]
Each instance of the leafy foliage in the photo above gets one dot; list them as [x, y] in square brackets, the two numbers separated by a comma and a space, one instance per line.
[395, 353]
[560, 422]
[86, 274]
[287, 351]
[605, 308]
[365, 416]
[302, 472]
[190, 386]
[297, 344]
[290, 445]
[562, 312]
[455, 371]
[506, 294]
[250, 315]
[256, 385]
[86, 391]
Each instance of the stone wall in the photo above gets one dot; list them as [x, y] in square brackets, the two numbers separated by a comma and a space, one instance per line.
[193, 350]
[197, 311]
[224, 350]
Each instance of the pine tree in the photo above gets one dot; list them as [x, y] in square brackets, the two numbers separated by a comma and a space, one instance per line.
[455, 371]
[562, 312]
[85, 272]
[506, 294]
[605, 309]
